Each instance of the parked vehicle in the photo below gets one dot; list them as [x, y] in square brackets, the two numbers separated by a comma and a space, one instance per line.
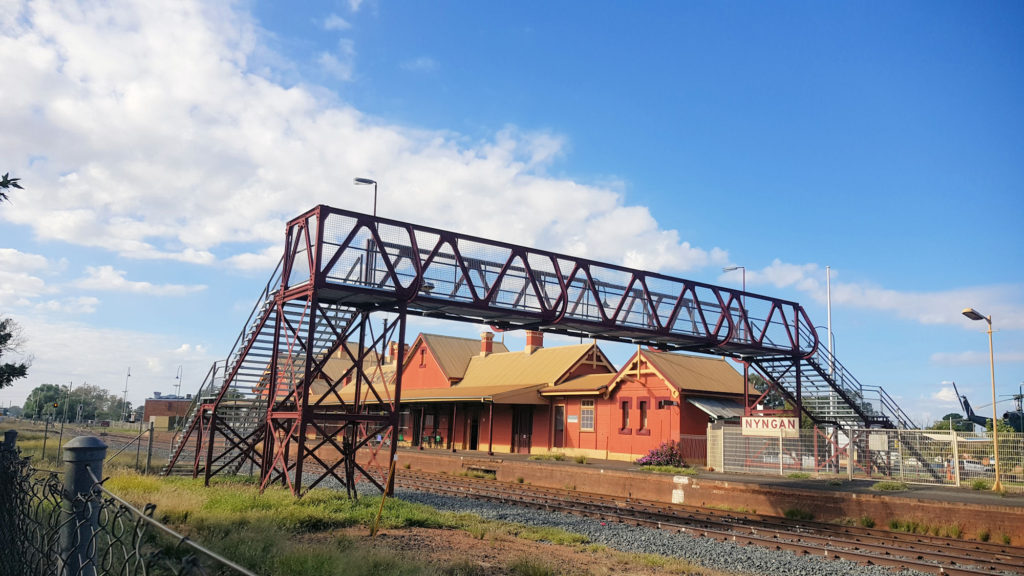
[972, 466]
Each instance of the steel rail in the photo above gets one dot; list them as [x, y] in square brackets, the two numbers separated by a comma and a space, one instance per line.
[926, 554]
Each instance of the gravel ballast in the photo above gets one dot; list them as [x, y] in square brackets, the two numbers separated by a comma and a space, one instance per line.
[725, 556]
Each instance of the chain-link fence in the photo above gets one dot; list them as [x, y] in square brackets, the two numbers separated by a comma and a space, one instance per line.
[935, 457]
[66, 523]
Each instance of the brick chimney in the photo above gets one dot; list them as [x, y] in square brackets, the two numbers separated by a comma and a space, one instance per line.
[392, 356]
[486, 343]
[534, 341]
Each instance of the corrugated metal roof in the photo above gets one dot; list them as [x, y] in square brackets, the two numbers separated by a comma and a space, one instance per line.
[454, 354]
[719, 408]
[340, 362]
[508, 394]
[591, 383]
[544, 366]
[700, 373]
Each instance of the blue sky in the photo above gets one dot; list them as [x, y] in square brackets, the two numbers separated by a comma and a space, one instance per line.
[164, 144]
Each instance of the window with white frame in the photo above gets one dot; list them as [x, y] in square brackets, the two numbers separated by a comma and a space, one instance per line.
[586, 414]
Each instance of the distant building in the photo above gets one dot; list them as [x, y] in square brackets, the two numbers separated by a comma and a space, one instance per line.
[166, 412]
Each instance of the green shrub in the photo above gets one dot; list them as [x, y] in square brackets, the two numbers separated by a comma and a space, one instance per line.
[667, 454]
[984, 535]
[799, 475]
[867, 521]
[955, 531]
[581, 459]
[1006, 539]
[531, 567]
[798, 514]
[671, 470]
[980, 484]
[558, 457]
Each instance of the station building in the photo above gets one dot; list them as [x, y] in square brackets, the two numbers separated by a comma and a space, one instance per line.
[476, 395]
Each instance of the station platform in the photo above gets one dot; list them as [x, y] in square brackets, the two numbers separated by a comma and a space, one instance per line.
[976, 514]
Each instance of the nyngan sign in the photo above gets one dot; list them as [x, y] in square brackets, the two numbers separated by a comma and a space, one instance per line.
[771, 427]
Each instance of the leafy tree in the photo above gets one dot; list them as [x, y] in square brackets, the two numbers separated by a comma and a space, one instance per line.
[6, 183]
[11, 341]
[955, 421]
[85, 402]
[97, 403]
[774, 400]
[41, 399]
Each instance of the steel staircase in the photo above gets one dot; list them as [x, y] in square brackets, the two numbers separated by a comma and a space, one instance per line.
[830, 394]
[235, 382]
[239, 390]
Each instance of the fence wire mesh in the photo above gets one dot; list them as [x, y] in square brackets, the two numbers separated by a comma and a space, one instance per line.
[49, 531]
[931, 457]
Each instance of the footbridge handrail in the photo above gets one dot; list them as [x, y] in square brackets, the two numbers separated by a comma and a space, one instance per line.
[377, 262]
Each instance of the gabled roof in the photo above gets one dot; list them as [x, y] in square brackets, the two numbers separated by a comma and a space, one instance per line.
[589, 385]
[340, 362]
[545, 366]
[453, 354]
[694, 373]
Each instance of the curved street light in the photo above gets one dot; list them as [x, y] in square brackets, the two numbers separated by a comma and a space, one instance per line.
[367, 181]
[973, 314]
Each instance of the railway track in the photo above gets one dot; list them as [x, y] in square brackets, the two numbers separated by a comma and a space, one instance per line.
[928, 554]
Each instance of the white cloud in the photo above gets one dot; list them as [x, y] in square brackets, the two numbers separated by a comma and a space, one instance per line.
[76, 305]
[945, 394]
[928, 308]
[160, 142]
[264, 260]
[974, 357]
[108, 279]
[20, 277]
[341, 64]
[354, 5]
[71, 351]
[421, 64]
[335, 22]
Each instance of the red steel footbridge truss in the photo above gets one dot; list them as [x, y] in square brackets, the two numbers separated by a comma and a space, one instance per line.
[340, 269]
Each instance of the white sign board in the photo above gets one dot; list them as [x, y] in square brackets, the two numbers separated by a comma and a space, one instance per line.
[878, 442]
[573, 418]
[771, 427]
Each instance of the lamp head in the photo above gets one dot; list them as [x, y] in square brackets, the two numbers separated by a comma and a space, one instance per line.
[363, 181]
[973, 314]
[731, 268]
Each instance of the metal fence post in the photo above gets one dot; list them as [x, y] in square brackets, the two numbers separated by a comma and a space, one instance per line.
[79, 514]
[954, 440]
[46, 436]
[899, 448]
[851, 448]
[149, 450]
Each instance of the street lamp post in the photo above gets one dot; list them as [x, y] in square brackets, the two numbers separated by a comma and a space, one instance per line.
[367, 181]
[746, 364]
[975, 315]
[124, 398]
